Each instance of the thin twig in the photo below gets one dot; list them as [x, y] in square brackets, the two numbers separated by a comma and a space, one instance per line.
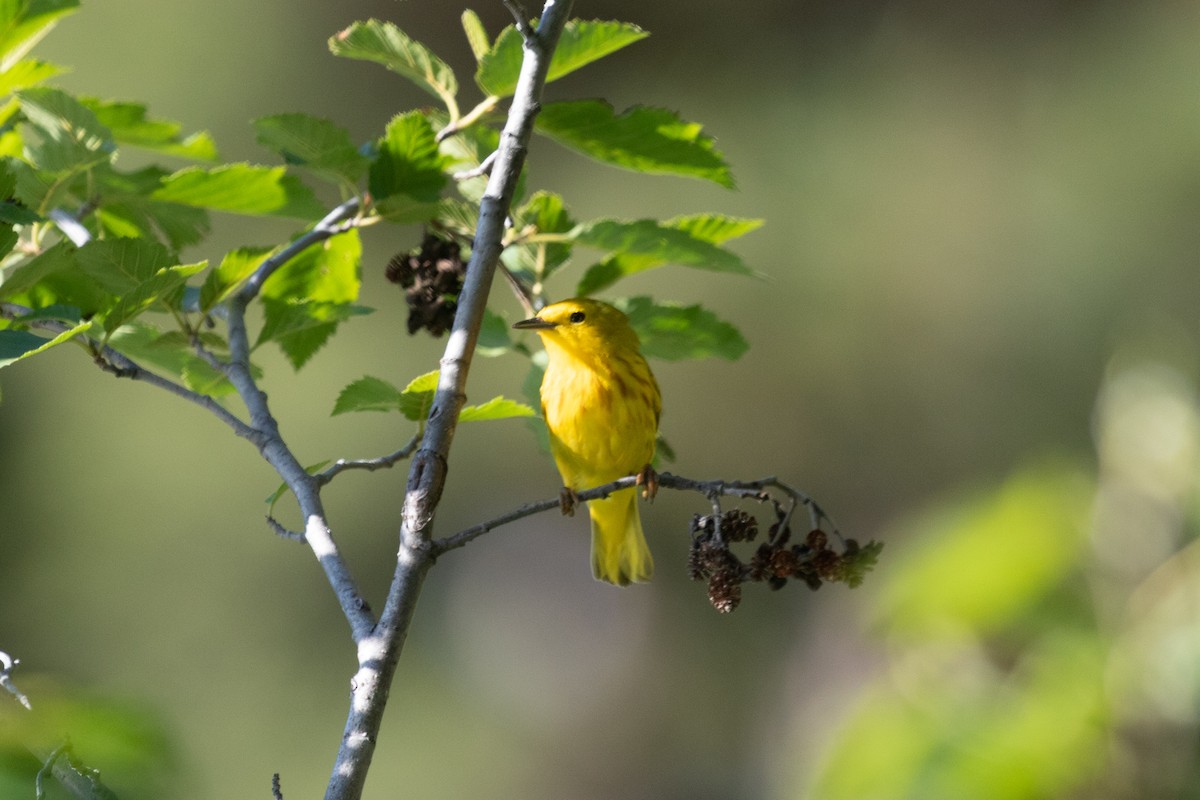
[7, 665]
[339, 220]
[39, 791]
[484, 168]
[282, 532]
[276, 790]
[521, 20]
[369, 464]
[713, 489]
[485, 107]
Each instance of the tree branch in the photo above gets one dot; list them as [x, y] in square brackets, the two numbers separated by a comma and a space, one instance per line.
[369, 464]
[379, 652]
[713, 489]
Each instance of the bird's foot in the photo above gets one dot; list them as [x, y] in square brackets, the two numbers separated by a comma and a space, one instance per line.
[567, 500]
[648, 480]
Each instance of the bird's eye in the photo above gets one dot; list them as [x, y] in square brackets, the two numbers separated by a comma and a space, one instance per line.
[577, 317]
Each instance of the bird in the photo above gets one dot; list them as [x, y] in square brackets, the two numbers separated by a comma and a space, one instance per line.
[601, 405]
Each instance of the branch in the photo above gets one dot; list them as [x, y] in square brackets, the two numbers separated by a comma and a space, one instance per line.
[305, 487]
[379, 652]
[754, 490]
[369, 464]
[122, 366]
[339, 220]
[7, 665]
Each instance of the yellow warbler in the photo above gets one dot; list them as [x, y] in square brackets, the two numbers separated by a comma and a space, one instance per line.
[601, 404]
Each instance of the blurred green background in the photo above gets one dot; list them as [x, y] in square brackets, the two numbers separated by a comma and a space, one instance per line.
[978, 343]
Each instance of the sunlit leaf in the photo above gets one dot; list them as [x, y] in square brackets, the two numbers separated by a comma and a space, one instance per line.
[675, 332]
[241, 189]
[24, 22]
[659, 241]
[16, 345]
[227, 277]
[24, 74]
[367, 394]
[130, 125]
[477, 36]
[313, 143]
[384, 43]
[409, 161]
[581, 43]
[496, 408]
[164, 286]
[66, 136]
[643, 139]
[711, 228]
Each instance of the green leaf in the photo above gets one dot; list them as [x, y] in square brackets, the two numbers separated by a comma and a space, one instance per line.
[327, 272]
[173, 352]
[16, 345]
[24, 22]
[417, 398]
[465, 151]
[659, 241]
[129, 124]
[241, 189]
[547, 214]
[675, 332]
[301, 327]
[367, 394]
[497, 408]
[273, 498]
[581, 43]
[313, 143]
[384, 43]
[408, 161]
[712, 228]
[24, 74]
[477, 36]
[121, 265]
[67, 136]
[164, 286]
[235, 267]
[53, 278]
[642, 139]
[494, 339]
[126, 209]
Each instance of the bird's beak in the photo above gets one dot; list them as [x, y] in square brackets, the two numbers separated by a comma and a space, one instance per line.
[534, 324]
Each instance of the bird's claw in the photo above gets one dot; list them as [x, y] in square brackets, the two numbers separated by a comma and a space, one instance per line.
[648, 480]
[567, 500]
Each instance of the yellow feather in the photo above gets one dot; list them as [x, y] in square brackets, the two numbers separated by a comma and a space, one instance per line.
[602, 405]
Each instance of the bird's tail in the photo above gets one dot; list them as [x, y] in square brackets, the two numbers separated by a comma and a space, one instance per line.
[620, 554]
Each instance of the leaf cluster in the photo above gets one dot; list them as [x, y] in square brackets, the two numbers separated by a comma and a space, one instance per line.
[92, 254]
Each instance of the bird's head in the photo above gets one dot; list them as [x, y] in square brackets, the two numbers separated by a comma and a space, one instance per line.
[582, 326]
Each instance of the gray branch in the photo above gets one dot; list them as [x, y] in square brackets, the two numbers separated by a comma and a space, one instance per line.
[379, 652]
[712, 489]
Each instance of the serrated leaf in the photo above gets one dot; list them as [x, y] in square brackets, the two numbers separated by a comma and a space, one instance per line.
[24, 74]
[647, 237]
[642, 139]
[16, 345]
[24, 22]
[675, 332]
[384, 43]
[458, 217]
[129, 124]
[314, 143]
[162, 287]
[712, 228]
[368, 393]
[121, 265]
[581, 42]
[417, 398]
[227, 277]
[477, 36]
[408, 160]
[241, 189]
[497, 408]
[327, 272]
[53, 278]
[66, 136]
[126, 210]
[545, 212]
[300, 328]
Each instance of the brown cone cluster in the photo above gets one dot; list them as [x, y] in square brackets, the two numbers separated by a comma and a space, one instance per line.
[773, 562]
[432, 277]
